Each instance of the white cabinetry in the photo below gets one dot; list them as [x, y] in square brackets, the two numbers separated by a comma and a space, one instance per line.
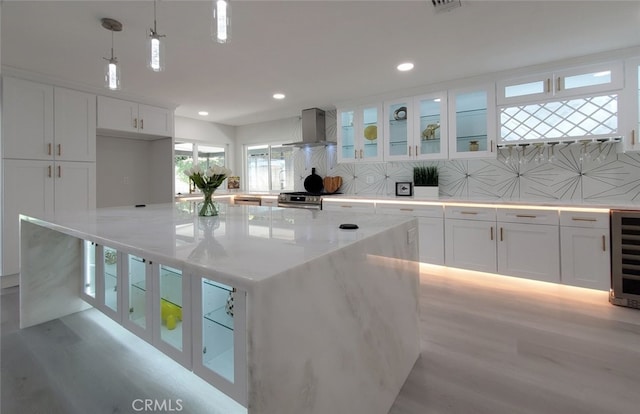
[37, 188]
[472, 122]
[584, 238]
[49, 153]
[631, 116]
[470, 237]
[528, 244]
[352, 206]
[416, 128]
[130, 117]
[360, 134]
[430, 225]
[583, 80]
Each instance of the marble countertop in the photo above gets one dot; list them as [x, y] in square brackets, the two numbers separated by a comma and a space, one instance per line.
[242, 246]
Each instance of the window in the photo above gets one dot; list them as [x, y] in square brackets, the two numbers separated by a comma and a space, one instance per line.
[269, 167]
[188, 154]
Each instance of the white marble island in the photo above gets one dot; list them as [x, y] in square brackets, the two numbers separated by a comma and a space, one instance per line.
[324, 320]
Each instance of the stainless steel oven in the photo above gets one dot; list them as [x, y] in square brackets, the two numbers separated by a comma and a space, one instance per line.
[300, 200]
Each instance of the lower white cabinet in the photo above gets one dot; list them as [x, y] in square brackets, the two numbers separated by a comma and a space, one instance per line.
[41, 187]
[531, 251]
[585, 247]
[470, 244]
[430, 227]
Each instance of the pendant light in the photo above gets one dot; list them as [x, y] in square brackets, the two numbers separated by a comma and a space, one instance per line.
[221, 21]
[112, 69]
[155, 49]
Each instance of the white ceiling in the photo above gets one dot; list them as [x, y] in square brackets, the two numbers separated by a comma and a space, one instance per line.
[318, 53]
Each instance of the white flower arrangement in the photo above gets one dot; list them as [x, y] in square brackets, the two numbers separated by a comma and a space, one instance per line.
[209, 179]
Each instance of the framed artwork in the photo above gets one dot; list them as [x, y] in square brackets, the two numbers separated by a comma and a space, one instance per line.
[233, 182]
[404, 188]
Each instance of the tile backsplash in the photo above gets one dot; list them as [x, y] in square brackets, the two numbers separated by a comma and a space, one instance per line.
[600, 176]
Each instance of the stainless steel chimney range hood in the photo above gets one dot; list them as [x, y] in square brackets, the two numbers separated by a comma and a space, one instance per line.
[313, 129]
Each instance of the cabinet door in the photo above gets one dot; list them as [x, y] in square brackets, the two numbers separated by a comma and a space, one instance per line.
[371, 133]
[586, 259]
[430, 135]
[75, 186]
[531, 251]
[108, 279]
[349, 206]
[219, 347]
[431, 240]
[172, 314]
[346, 135]
[75, 125]
[27, 188]
[27, 114]
[398, 129]
[470, 244]
[525, 89]
[137, 283]
[117, 115]
[589, 79]
[472, 123]
[88, 288]
[631, 116]
[155, 121]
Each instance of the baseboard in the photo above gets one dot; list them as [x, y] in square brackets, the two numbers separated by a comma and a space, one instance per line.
[7, 281]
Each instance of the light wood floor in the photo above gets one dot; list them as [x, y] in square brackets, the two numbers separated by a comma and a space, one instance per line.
[490, 345]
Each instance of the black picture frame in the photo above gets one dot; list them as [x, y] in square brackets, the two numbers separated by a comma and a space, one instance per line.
[404, 189]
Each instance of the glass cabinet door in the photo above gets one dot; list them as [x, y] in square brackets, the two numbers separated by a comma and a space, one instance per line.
[110, 278]
[217, 328]
[347, 150]
[370, 133]
[430, 135]
[473, 123]
[398, 127]
[136, 298]
[171, 294]
[89, 273]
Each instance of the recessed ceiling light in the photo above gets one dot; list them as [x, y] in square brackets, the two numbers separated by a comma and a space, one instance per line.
[278, 96]
[403, 67]
[203, 113]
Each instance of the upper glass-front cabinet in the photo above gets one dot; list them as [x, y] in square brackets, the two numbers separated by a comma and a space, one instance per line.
[582, 80]
[416, 128]
[360, 134]
[472, 123]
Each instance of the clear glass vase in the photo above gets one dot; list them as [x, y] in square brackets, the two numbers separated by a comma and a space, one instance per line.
[207, 207]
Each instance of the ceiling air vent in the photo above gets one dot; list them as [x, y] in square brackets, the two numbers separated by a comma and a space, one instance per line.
[445, 5]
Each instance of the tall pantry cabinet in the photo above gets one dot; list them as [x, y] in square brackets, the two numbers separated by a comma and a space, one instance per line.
[48, 156]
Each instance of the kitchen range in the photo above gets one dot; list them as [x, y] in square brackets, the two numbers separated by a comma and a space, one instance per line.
[311, 199]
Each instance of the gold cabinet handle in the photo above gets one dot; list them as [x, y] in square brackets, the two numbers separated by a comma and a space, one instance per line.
[355, 154]
[582, 219]
[604, 247]
[491, 233]
[135, 123]
[409, 150]
[346, 206]
[59, 171]
[361, 157]
[633, 137]
[49, 174]
[417, 151]
[548, 85]
[558, 83]
[49, 148]
[142, 124]
[501, 234]
[525, 216]
[469, 212]
[406, 209]
[491, 145]
[59, 150]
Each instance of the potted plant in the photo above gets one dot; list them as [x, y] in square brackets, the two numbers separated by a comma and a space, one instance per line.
[425, 182]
